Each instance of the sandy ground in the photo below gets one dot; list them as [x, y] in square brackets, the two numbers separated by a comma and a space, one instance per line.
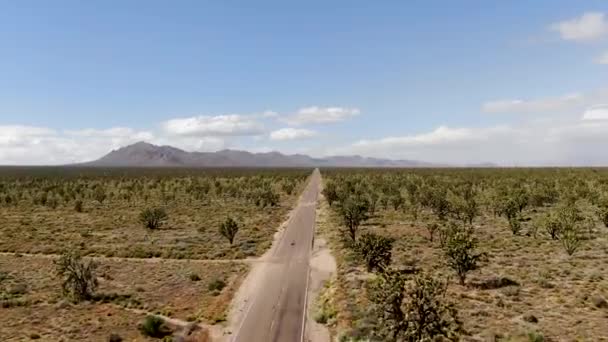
[322, 268]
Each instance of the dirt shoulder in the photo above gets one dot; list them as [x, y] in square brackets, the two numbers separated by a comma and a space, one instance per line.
[322, 269]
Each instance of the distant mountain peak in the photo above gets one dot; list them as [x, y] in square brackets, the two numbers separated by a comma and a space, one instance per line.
[144, 154]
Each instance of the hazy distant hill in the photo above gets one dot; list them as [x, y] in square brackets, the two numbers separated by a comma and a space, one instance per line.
[142, 154]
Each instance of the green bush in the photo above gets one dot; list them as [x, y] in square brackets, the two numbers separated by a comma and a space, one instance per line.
[515, 225]
[154, 326]
[534, 336]
[216, 285]
[153, 218]
[571, 239]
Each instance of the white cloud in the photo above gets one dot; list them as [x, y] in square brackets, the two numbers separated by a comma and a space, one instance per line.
[39, 145]
[292, 134]
[603, 58]
[599, 112]
[560, 103]
[221, 125]
[439, 136]
[17, 135]
[588, 27]
[570, 142]
[321, 115]
[269, 114]
[111, 132]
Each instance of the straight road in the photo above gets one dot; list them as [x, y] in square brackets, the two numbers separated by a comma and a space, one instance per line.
[278, 310]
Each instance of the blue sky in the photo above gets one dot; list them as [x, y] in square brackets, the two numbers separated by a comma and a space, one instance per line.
[515, 83]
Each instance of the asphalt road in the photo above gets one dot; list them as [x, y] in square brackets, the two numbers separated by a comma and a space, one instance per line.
[278, 309]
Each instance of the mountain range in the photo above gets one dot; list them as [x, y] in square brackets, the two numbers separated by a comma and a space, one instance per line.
[143, 154]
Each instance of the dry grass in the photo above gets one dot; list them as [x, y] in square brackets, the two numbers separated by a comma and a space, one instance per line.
[113, 229]
[128, 289]
[173, 271]
[556, 289]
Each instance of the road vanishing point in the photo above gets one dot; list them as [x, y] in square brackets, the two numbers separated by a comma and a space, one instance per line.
[277, 311]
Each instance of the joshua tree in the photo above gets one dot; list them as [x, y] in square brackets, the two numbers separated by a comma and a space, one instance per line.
[460, 250]
[228, 229]
[354, 211]
[412, 311]
[375, 250]
[79, 280]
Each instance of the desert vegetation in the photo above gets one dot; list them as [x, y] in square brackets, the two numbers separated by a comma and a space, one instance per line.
[466, 254]
[170, 213]
[105, 254]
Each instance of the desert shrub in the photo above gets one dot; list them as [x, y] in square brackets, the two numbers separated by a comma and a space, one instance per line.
[470, 210]
[384, 201]
[79, 279]
[495, 283]
[431, 228]
[228, 229]
[571, 239]
[4, 276]
[199, 189]
[552, 225]
[266, 197]
[216, 285]
[510, 210]
[534, 336]
[515, 225]
[461, 251]
[52, 202]
[115, 338]
[372, 200]
[543, 194]
[324, 310]
[153, 218]
[330, 192]
[463, 208]
[288, 187]
[396, 201]
[99, 194]
[194, 277]
[41, 198]
[414, 310]
[603, 215]
[561, 219]
[445, 231]
[521, 198]
[414, 207]
[154, 326]
[375, 250]
[78, 206]
[436, 199]
[354, 210]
